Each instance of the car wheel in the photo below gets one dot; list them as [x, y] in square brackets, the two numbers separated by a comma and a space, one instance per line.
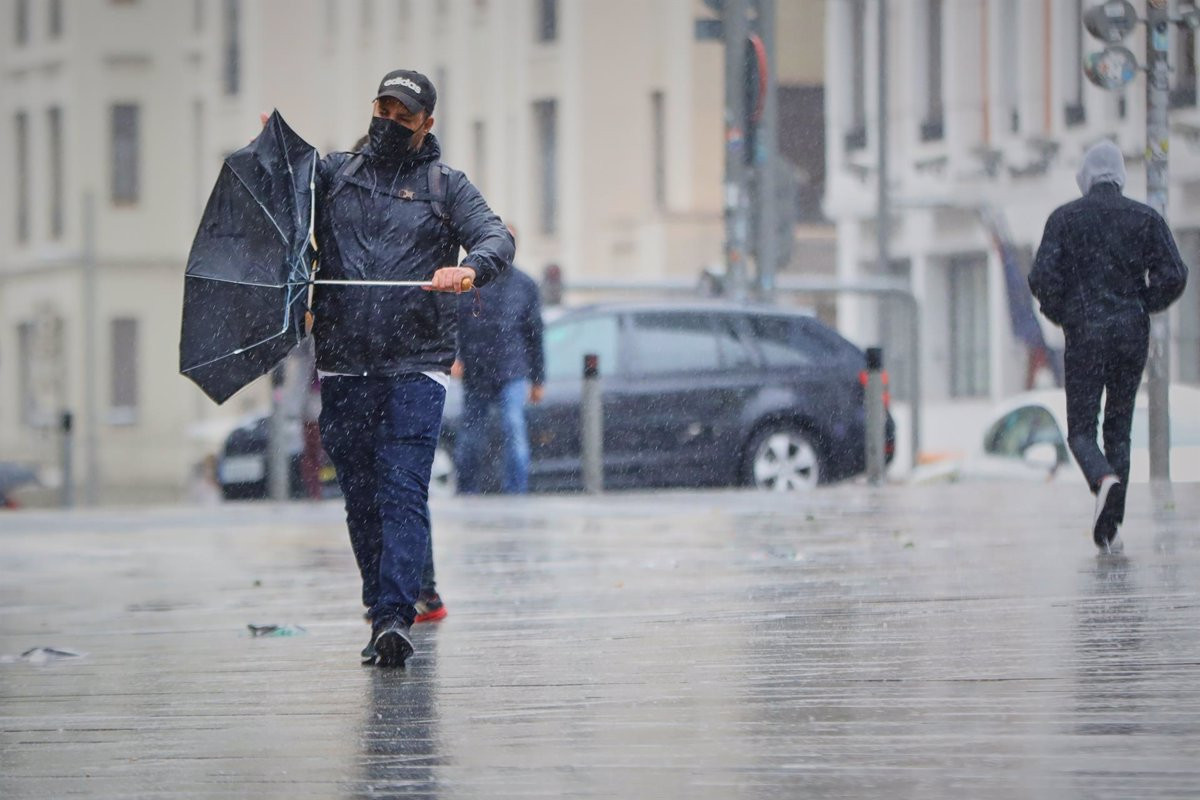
[442, 479]
[782, 458]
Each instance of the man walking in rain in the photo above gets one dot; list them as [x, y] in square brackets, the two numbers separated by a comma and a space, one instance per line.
[1105, 264]
[393, 213]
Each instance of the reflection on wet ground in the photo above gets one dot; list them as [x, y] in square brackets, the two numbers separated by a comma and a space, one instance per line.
[943, 642]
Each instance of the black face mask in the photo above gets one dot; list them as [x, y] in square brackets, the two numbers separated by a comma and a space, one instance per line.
[389, 139]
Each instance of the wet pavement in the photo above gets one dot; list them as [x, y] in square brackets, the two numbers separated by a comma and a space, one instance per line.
[940, 642]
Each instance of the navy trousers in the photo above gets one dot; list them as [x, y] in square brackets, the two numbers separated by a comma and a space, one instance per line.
[381, 434]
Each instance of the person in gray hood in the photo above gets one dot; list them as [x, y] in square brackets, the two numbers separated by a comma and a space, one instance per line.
[1104, 265]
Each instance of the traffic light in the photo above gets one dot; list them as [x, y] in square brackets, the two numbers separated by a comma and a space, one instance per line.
[1115, 66]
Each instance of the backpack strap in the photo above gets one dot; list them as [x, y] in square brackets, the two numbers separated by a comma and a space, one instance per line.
[439, 189]
[346, 172]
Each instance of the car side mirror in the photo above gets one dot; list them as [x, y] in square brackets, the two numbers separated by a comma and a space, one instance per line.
[1043, 456]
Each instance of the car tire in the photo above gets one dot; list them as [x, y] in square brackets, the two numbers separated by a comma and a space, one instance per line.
[782, 457]
[442, 478]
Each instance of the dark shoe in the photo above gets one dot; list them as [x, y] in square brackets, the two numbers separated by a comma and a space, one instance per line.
[1104, 521]
[368, 653]
[392, 645]
[430, 608]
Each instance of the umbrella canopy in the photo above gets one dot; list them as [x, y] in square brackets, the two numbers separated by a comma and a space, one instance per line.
[248, 272]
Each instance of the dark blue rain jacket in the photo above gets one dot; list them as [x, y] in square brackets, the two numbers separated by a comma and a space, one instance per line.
[500, 338]
[380, 223]
[1105, 261]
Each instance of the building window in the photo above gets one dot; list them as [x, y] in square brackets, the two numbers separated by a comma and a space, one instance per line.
[968, 309]
[545, 126]
[479, 152]
[55, 22]
[125, 154]
[547, 20]
[21, 22]
[367, 17]
[1008, 67]
[441, 81]
[123, 398]
[658, 147]
[21, 133]
[231, 49]
[26, 397]
[933, 126]
[404, 15]
[1073, 111]
[54, 141]
[856, 131]
[197, 16]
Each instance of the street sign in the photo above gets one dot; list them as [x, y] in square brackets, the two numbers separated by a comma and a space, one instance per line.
[1112, 21]
[1112, 68]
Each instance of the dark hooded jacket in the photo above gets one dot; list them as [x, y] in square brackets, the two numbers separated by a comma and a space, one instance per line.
[380, 224]
[500, 337]
[1105, 260]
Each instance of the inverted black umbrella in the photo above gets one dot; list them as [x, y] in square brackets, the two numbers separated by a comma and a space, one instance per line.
[245, 289]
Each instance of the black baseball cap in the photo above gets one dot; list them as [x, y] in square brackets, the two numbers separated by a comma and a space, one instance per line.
[409, 87]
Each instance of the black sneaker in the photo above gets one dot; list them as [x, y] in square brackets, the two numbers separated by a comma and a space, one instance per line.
[392, 645]
[368, 653]
[1104, 521]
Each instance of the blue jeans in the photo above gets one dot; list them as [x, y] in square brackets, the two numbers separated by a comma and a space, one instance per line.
[381, 434]
[473, 437]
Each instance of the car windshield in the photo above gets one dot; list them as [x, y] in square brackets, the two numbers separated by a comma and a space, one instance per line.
[1017, 431]
[567, 341]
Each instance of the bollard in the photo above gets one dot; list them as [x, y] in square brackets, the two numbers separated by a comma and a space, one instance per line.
[591, 418]
[279, 463]
[65, 426]
[876, 412]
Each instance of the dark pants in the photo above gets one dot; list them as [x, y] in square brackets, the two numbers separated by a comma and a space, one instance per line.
[1109, 361]
[381, 434]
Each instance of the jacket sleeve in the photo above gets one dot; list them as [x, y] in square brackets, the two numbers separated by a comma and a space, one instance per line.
[533, 331]
[1046, 279]
[490, 247]
[1166, 274]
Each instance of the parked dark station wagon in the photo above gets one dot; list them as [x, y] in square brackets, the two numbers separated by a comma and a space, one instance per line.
[702, 394]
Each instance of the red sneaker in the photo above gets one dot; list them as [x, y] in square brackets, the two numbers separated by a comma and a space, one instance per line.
[430, 609]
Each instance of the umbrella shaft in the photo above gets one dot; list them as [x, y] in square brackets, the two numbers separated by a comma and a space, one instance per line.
[372, 283]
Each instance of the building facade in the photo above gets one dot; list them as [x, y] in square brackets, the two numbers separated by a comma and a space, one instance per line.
[989, 117]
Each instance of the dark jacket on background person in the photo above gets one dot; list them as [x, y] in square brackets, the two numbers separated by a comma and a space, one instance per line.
[379, 223]
[500, 337]
[1105, 259]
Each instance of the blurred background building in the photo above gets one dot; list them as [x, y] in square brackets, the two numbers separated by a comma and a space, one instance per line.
[990, 114]
[595, 127]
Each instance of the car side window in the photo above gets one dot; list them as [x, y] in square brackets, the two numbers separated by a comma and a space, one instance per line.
[1017, 431]
[568, 341]
[670, 343]
[736, 352]
[782, 342]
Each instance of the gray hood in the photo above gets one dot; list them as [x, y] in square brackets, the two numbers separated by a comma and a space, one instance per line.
[1103, 163]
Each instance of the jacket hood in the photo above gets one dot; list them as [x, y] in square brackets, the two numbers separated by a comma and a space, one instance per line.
[1103, 163]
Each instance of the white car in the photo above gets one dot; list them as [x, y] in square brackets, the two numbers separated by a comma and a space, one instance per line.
[1026, 440]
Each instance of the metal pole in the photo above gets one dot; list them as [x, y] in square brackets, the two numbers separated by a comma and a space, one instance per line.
[91, 425]
[1158, 363]
[876, 413]
[279, 468]
[591, 417]
[883, 211]
[767, 160]
[67, 460]
[736, 223]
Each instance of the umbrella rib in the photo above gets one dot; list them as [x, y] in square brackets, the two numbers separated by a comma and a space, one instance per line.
[243, 283]
[261, 205]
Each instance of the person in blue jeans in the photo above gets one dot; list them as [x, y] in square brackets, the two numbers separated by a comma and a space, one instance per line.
[393, 212]
[502, 366]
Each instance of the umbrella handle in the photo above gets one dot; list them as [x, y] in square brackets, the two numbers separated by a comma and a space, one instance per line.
[468, 284]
